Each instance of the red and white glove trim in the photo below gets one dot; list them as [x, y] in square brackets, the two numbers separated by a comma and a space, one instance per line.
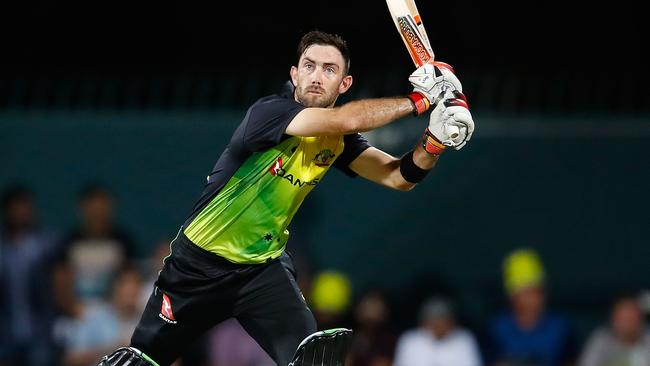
[420, 102]
[431, 144]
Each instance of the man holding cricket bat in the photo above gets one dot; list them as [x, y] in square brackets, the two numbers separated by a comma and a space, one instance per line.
[228, 259]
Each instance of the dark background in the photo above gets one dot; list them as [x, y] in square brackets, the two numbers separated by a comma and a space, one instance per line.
[174, 36]
[574, 55]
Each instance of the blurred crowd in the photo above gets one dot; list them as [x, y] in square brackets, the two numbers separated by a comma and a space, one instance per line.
[69, 297]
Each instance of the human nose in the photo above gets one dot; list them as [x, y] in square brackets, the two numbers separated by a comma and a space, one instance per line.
[317, 77]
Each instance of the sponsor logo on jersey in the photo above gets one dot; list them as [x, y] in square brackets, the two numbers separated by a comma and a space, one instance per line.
[324, 157]
[276, 170]
[275, 167]
[166, 312]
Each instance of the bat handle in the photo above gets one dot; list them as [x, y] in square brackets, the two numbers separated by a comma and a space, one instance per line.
[452, 131]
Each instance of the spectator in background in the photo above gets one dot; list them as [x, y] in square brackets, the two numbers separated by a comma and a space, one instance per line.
[626, 342]
[26, 251]
[93, 252]
[438, 341]
[97, 328]
[330, 297]
[528, 334]
[374, 342]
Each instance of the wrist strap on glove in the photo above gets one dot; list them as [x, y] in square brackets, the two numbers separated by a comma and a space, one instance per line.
[431, 144]
[420, 102]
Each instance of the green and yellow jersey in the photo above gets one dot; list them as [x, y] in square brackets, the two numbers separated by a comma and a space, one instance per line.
[260, 181]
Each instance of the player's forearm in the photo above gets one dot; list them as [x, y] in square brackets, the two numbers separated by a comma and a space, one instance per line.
[369, 114]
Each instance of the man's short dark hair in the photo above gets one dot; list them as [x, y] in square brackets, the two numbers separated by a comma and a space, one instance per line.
[324, 39]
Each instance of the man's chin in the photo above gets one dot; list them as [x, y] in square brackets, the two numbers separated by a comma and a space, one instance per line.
[315, 101]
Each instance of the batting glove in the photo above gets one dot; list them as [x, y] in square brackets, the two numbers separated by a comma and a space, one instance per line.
[430, 83]
[449, 112]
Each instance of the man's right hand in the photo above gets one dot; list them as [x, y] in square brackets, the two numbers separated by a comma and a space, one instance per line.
[433, 80]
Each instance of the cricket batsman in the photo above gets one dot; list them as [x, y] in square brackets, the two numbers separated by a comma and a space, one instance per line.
[229, 260]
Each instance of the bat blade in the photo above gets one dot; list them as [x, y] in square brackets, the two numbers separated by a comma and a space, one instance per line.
[410, 28]
[413, 9]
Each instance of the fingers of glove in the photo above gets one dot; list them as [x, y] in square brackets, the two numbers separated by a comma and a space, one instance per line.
[449, 142]
[457, 100]
[467, 135]
[462, 138]
[451, 78]
[444, 74]
[438, 98]
[437, 110]
[461, 115]
[460, 146]
[466, 120]
[462, 96]
[461, 132]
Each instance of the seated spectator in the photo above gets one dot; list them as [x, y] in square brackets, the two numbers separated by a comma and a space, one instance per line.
[26, 254]
[626, 342]
[528, 334]
[438, 341]
[97, 328]
[374, 342]
[94, 252]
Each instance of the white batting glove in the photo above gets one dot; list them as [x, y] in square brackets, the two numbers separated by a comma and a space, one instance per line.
[449, 112]
[432, 81]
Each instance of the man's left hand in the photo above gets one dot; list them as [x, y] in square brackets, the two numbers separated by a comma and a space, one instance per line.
[452, 111]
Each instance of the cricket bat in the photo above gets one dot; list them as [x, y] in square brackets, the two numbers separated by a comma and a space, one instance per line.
[409, 26]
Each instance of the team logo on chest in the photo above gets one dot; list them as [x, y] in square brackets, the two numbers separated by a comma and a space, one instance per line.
[324, 157]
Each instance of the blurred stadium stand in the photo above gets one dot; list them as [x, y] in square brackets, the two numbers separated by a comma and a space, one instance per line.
[515, 93]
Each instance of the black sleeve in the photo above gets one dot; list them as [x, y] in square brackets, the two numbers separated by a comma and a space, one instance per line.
[267, 120]
[353, 145]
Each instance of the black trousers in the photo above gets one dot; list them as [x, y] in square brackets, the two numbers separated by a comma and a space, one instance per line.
[197, 289]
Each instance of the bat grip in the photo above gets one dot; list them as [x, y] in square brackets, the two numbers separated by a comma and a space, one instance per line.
[452, 131]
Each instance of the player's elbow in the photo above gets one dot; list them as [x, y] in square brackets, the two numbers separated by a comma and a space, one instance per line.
[404, 186]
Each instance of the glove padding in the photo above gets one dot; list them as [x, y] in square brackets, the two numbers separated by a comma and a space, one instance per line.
[432, 80]
[452, 112]
[329, 345]
[127, 356]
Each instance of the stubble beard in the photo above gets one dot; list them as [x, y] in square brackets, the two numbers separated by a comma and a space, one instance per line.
[323, 100]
